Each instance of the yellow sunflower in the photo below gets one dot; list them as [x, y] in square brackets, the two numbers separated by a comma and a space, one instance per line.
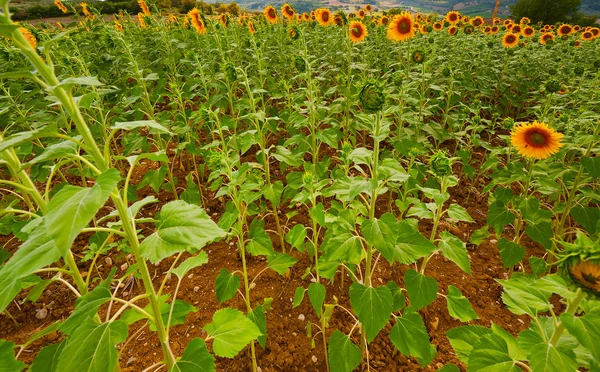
[368, 8]
[587, 35]
[144, 7]
[118, 26]
[361, 13]
[564, 29]
[323, 16]
[384, 21]
[197, 21]
[516, 29]
[423, 29]
[510, 40]
[536, 140]
[494, 30]
[438, 26]
[357, 31]
[477, 21]
[401, 28]
[452, 17]
[586, 273]
[61, 6]
[547, 37]
[528, 31]
[251, 28]
[452, 30]
[270, 14]
[287, 11]
[224, 19]
[525, 21]
[29, 36]
[576, 28]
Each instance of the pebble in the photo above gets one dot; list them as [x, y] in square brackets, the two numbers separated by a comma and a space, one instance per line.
[108, 261]
[124, 266]
[314, 359]
[131, 360]
[258, 369]
[252, 285]
[301, 317]
[196, 289]
[294, 334]
[493, 241]
[190, 276]
[41, 313]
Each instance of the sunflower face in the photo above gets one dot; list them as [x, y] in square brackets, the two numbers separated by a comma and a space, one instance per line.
[224, 19]
[368, 8]
[294, 33]
[338, 19]
[401, 28]
[287, 11]
[361, 13]
[536, 140]
[452, 30]
[196, 20]
[515, 29]
[29, 36]
[384, 21]
[525, 21]
[438, 26]
[418, 56]
[586, 273]
[587, 35]
[469, 29]
[510, 40]
[547, 38]
[251, 28]
[477, 21]
[270, 14]
[564, 30]
[452, 17]
[323, 17]
[528, 31]
[357, 31]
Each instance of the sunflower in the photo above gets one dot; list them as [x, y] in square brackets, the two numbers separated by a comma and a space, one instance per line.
[29, 37]
[468, 29]
[384, 21]
[118, 26]
[86, 12]
[270, 14]
[197, 21]
[339, 19]
[527, 31]
[564, 29]
[547, 38]
[357, 31]
[536, 140]
[452, 17]
[323, 17]
[587, 35]
[424, 29]
[452, 30]
[141, 21]
[487, 29]
[305, 16]
[577, 43]
[294, 33]
[288, 11]
[144, 7]
[510, 40]
[418, 56]
[494, 30]
[564, 89]
[61, 6]
[586, 273]
[496, 21]
[368, 8]
[576, 28]
[438, 25]
[361, 13]
[224, 19]
[525, 21]
[507, 22]
[401, 28]
[516, 29]
[251, 28]
[477, 21]
[595, 31]
[351, 15]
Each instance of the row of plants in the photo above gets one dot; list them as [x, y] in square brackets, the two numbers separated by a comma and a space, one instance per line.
[368, 127]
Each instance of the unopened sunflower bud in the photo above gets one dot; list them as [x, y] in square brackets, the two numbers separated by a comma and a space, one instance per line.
[372, 97]
[441, 164]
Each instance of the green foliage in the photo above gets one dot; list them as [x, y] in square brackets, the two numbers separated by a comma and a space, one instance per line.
[547, 12]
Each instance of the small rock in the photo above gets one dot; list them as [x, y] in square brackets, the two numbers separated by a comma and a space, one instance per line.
[258, 369]
[125, 294]
[131, 360]
[301, 317]
[124, 266]
[196, 289]
[493, 241]
[41, 313]
[252, 285]
[294, 334]
[314, 359]
[108, 261]
[190, 276]
[435, 323]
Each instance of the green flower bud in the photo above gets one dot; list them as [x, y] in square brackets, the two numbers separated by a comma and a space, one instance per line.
[308, 178]
[446, 71]
[440, 164]
[579, 70]
[508, 123]
[372, 96]
[300, 64]
[418, 56]
[230, 73]
[580, 261]
[553, 86]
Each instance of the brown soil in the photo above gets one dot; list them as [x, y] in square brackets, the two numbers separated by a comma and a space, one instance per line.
[288, 347]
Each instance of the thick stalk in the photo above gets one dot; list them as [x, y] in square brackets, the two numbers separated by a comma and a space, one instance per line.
[571, 309]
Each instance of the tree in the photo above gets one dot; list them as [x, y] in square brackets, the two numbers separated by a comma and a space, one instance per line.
[186, 6]
[548, 12]
[233, 9]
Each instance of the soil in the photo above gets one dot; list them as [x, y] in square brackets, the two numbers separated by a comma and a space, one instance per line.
[288, 346]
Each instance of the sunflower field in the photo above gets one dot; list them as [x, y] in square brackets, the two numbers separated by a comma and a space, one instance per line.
[298, 192]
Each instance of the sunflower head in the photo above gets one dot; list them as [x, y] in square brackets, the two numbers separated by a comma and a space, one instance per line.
[547, 38]
[270, 14]
[251, 28]
[368, 8]
[579, 70]
[323, 16]
[224, 19]
[438, 25]
[287, 11]
[371, 96]
[293, 32]
[384, 21]
[452, 30]
[527, 31]
[401, 28]
[300, 64]
[553, 86]
[452, 17]
[510, 40]
[361, 13]
[440, 164]
[580, 261]
[29, 37]
[564, 30]
[469, 29]
[418, 56]
[587, 35]
[357, 31]
[536, 140]
[477, 21]
[340, 19]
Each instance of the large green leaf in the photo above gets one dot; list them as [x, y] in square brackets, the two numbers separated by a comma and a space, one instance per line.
[411, 244]
[587, 217]
[180, 227]
[227, 285]
[459, 306]
[592, 166]
[422, 289]
[195, 358]
[93, 347]
[259, 243]
[47, 359]
[281, 262]
[344, 355]
[55, 151]
[541, 233]
[490, 354]
[499, 216]
[410, 337]
[511, 253]
[200, 259]
[458, 213]
[260, 319]
[7, 356]
[316, 295]
[522, 297]
[586, 329]
[455, 250]
[372, 306]
[231, 331]
[546, 357]
[130, 125]
[180, 311]
[382, 234]
[397, 295]
[463, 338]
[20, 138]
[87, 305]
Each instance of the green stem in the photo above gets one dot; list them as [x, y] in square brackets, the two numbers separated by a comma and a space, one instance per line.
[571, 309]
